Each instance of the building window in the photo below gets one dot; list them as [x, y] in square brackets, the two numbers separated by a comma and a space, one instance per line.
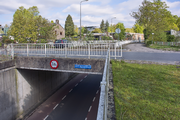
[60, 33]
[55, 32]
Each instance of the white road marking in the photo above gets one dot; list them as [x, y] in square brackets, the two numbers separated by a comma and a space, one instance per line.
[46, 117]
[55, 106]
[97, 92]
[85, 118]
[90, 109]
[94, 99]
[70, 90]
[76, 84]
[81, 80]
[63, 97]
[85, 76]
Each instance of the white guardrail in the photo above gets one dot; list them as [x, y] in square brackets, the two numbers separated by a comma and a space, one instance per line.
[103, 101]
[76, 48]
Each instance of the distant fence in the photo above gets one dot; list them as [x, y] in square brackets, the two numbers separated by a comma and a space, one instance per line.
[168, 43]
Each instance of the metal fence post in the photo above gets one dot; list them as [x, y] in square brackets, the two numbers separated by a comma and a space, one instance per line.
[45, 50]
[65, 51]
[27, 50]
[121, 50]
[115, 49]
[89, 51]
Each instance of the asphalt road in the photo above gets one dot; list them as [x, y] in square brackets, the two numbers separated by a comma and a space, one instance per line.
[136, 51]
[76, 100]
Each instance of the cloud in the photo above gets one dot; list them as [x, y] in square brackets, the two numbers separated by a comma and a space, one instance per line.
[93, 11]
[88, 9]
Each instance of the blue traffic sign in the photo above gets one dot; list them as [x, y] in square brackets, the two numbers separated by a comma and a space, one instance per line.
[82, 66]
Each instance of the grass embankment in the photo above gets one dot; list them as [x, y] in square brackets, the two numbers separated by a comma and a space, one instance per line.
[166, 48]
[146, 91]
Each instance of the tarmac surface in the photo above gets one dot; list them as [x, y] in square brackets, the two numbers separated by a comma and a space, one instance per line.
[76, 100]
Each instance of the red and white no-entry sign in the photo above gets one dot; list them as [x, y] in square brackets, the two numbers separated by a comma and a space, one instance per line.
[54, 64]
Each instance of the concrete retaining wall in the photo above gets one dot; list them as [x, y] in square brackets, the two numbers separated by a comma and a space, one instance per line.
[22, 90]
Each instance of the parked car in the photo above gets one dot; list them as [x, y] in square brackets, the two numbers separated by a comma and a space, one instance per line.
[60, 43]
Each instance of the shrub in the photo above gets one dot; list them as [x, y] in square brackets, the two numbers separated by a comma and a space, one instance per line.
[148, 43]
[170, 38]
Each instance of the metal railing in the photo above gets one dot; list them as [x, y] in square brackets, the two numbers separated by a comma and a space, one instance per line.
[69, 49]
[103, 101]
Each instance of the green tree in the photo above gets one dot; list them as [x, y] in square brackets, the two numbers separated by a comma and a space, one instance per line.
[137, 28]
[106, 26]
[122, 28]
[69, 26]
[45, 28]
[178, 23]
[155, 17]
[102, 26]
[76, 30]
[97, 30]
[112, 28]
[24, 26]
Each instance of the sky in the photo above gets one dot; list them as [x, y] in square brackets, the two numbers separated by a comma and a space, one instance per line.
[93, 11]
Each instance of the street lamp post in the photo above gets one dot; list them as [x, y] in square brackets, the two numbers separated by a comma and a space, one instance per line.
[80, 16]
[111, 22]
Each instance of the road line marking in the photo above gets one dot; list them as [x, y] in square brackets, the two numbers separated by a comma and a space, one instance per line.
[76, 84]
[46, 117]
[90, 109]
[94, 99]
[97, 92]
[86, 118]
[85, 76]
[70, 90]
[81, 80]
[55, 106]
[63, 97]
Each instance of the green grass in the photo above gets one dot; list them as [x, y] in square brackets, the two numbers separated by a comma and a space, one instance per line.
[167, 48]
[146, 91]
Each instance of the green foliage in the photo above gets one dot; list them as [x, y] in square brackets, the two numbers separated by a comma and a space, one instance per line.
[76, 30]
[149, 42]
[89, 36]
[112, 28]
[170, 38]
[158, 36]
[130, 30]
[178, 23]
[106, 38]
[42, 41]
[177, 39]
[106, 26]
[0, 44]
[69, 26]
[52, 21]
[165, 47]
[102, 26]
[122, 34]
[138, 29]
[27, 24]
[155, 17]
[97, 30]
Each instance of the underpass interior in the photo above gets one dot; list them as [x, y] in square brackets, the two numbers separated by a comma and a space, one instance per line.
[57, 95]
[34, 86]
